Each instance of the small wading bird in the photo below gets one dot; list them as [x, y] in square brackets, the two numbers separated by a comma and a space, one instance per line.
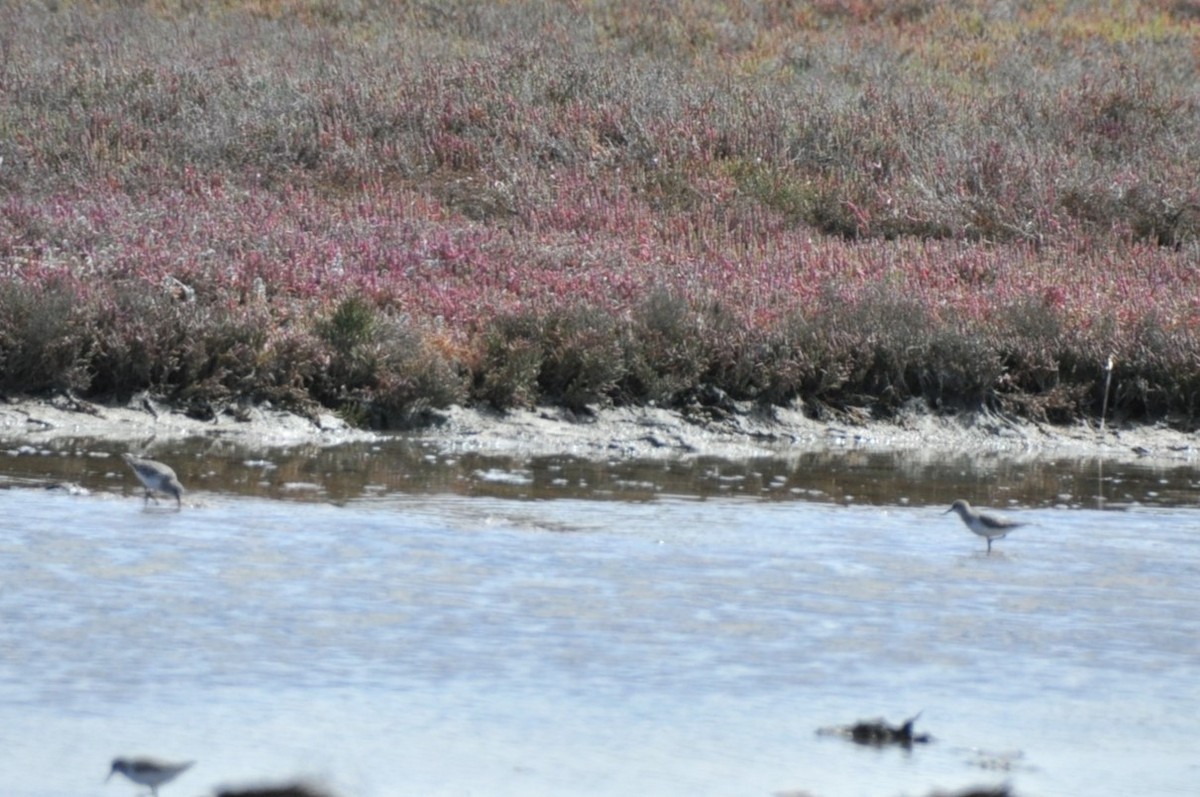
[990, 527]
[147, 772]
[156, 477]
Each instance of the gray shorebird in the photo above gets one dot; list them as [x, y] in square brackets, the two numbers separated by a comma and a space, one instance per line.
[156, 477]
[147, 771]
[990, 527]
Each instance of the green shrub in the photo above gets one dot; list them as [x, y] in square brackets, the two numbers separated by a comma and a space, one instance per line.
[43, 338]
[351, 333]
[381, 371]
[583, 358]
[666, 349]
[507, 376]
[413, 377]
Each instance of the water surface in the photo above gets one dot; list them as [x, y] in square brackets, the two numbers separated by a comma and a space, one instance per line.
[479, 626]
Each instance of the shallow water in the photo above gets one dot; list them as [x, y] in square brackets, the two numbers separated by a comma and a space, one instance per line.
[437, 629]
[836, 474]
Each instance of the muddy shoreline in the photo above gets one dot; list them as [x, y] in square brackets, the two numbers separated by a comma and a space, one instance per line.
[619, 433]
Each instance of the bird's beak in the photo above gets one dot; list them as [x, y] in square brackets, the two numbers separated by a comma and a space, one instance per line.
[948, 511]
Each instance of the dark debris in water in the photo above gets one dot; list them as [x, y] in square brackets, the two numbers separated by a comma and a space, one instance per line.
[879, 733]
[279, 790]
[973, 791]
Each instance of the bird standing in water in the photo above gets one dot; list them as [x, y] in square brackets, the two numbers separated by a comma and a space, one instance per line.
[147, 772]
[990, 527]
[156, 477]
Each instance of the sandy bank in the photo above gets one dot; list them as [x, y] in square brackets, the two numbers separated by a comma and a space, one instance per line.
[645, 432]
[652, 432]
[33, 420]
